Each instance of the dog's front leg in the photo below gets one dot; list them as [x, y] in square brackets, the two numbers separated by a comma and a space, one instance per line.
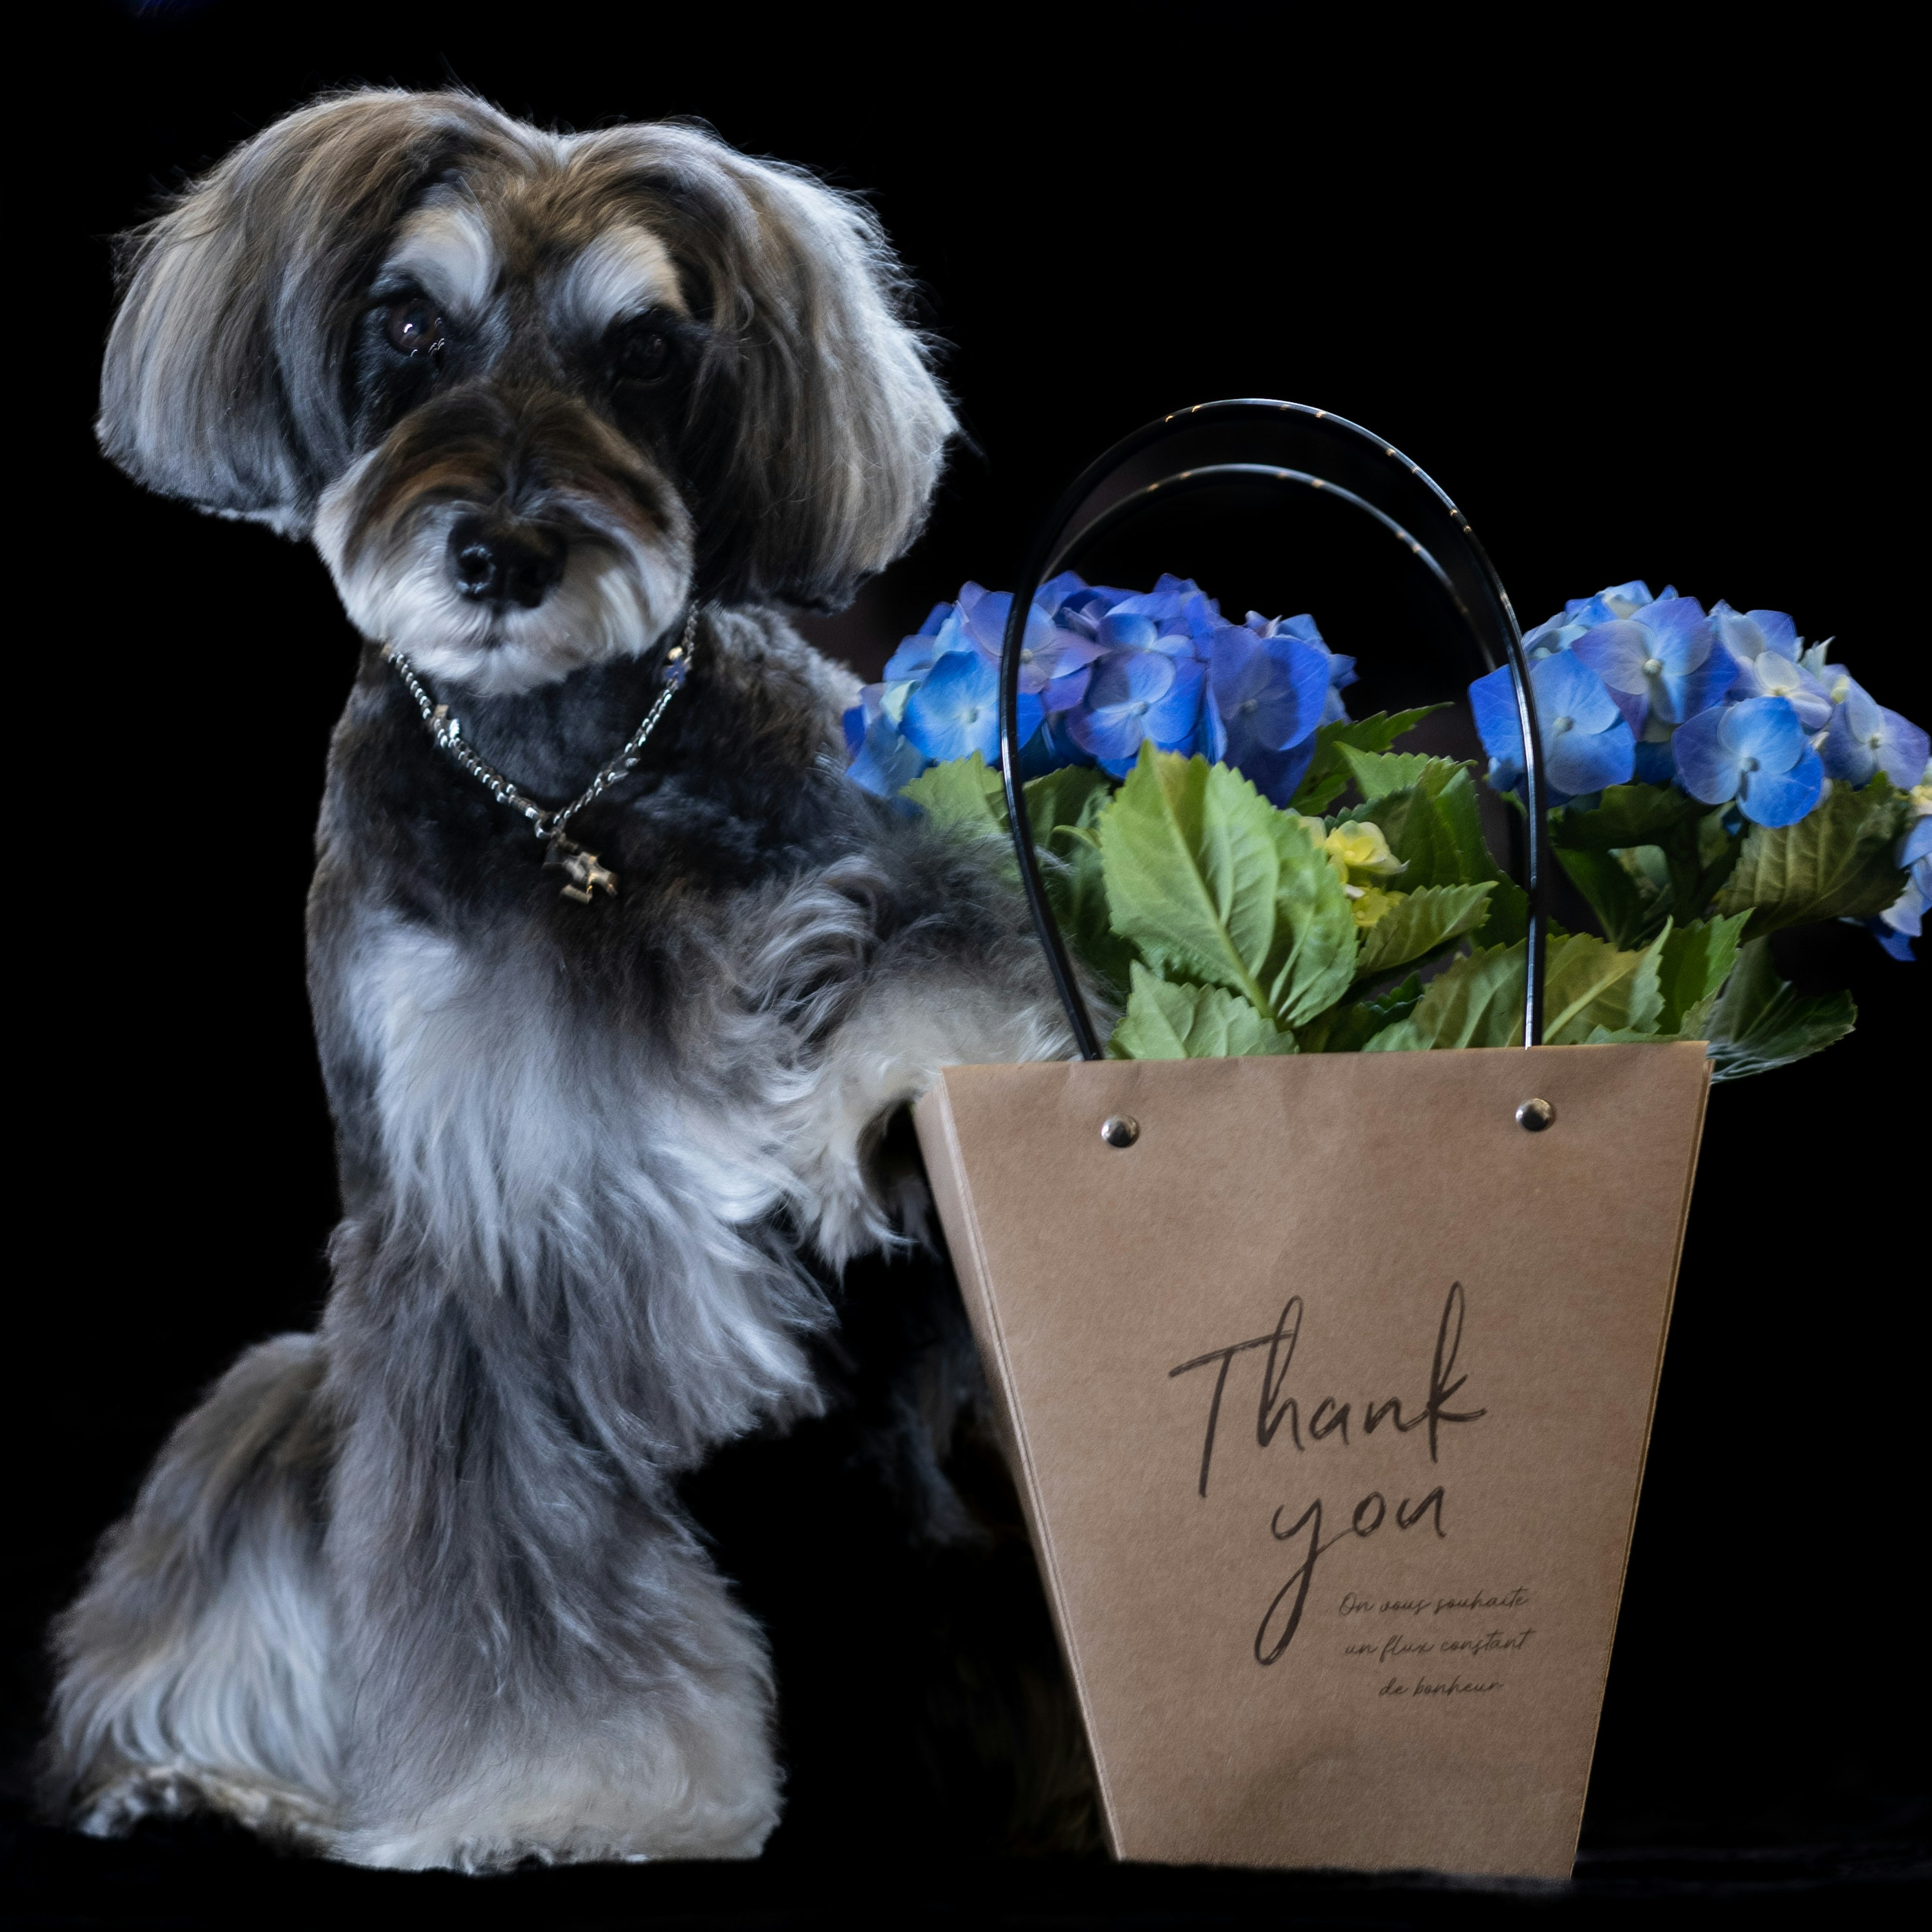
[541, 1662]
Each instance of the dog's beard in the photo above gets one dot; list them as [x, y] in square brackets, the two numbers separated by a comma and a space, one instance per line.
[622, 587]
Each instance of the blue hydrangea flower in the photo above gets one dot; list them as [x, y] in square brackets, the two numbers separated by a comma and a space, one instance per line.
[1663, 664]
[1265, 697]
[1769, 654]
[943, 633]
[1755, 752]
[1137, 694]
[882, 761]
[1903, 921]
[1587, 742]
[1745, 634]
[1863, 737]
[1834, 680]
[1341, 667]
[1616, 601]
[1047, 652]
[1551, 635]
[955, 711]
[1157, 622]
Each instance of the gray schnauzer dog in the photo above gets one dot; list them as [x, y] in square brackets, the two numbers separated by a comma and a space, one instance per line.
[570, 418]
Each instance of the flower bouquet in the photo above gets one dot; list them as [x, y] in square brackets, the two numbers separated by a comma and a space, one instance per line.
[1243, 869]
[1332, 1500]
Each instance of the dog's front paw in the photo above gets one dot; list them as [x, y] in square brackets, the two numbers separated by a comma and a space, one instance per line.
[718, 1798]
[503, 1844]
[180, 1790]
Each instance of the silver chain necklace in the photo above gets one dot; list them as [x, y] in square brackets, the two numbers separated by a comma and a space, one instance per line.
[587, 875]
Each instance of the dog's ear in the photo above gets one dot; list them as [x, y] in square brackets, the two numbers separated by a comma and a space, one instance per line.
[822, 438]
[225, 379]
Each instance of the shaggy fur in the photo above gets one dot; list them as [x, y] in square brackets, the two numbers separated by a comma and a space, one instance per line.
[427, 1588]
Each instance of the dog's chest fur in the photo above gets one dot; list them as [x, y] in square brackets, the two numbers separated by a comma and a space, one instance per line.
[638, 1123]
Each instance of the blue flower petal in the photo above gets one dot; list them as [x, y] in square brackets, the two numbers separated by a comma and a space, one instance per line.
[1567, 687]
[1174, 718]
[1697, 689]
[956, 711]
[1617, 651]
[1682, 636]
[1583, 761]
[1127, 630]
[1781, 798]
[1706, 768]
[1127, 685]
[1616, 600]
[1064, 693]
[1904, 750]
[919, 652]
[886, 762]
[1277, 775]
[1747, 633]
[1492, 699]
[1765, 730]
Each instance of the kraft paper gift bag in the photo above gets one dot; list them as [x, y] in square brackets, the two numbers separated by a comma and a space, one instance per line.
[1326, 1387]
[1327, 1398]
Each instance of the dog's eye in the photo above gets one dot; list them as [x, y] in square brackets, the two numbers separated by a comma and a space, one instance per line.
[413, 326]
[644, 355]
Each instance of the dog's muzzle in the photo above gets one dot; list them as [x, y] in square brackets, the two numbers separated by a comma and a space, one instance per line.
[498, 561]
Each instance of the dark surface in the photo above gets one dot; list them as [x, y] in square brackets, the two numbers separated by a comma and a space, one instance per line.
[1640, 313]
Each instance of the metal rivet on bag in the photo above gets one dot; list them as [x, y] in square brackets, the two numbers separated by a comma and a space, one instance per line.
[1533, 1116]
[1119, 1130]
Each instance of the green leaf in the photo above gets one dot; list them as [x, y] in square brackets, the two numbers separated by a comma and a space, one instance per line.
[1588, 984]
[1837, 863]
[1312, 960]
[1597, 844]
[1076, 888]
[1475, 1001]
[1326, 777]
[1417, 923]
[1064, 807]
[1349, 1027]
[962, 791]
[1165, 1020]
[1628, 814]
[1630, 909]
[1192, 870]
[1695, 962]
[1073, 797]
[1716, 850]
[1376, 774]
[1762, 1022]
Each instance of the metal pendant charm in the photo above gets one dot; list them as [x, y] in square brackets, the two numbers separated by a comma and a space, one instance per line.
[586, 876]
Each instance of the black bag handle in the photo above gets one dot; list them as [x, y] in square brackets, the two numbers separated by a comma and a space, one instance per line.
[1324, 452]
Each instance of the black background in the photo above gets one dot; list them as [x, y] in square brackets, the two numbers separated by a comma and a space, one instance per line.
[1637, 303]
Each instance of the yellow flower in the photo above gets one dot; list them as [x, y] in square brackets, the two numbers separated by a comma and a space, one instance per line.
[1355, 851]
[1370, 903]
[1359, 847]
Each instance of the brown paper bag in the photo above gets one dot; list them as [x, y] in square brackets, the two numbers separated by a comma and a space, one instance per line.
[1327, 1399]
[1326, 1385]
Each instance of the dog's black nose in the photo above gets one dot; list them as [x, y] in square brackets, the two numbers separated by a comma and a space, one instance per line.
[505, 563]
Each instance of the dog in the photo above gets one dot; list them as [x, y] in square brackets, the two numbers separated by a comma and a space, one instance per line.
[573, 420]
